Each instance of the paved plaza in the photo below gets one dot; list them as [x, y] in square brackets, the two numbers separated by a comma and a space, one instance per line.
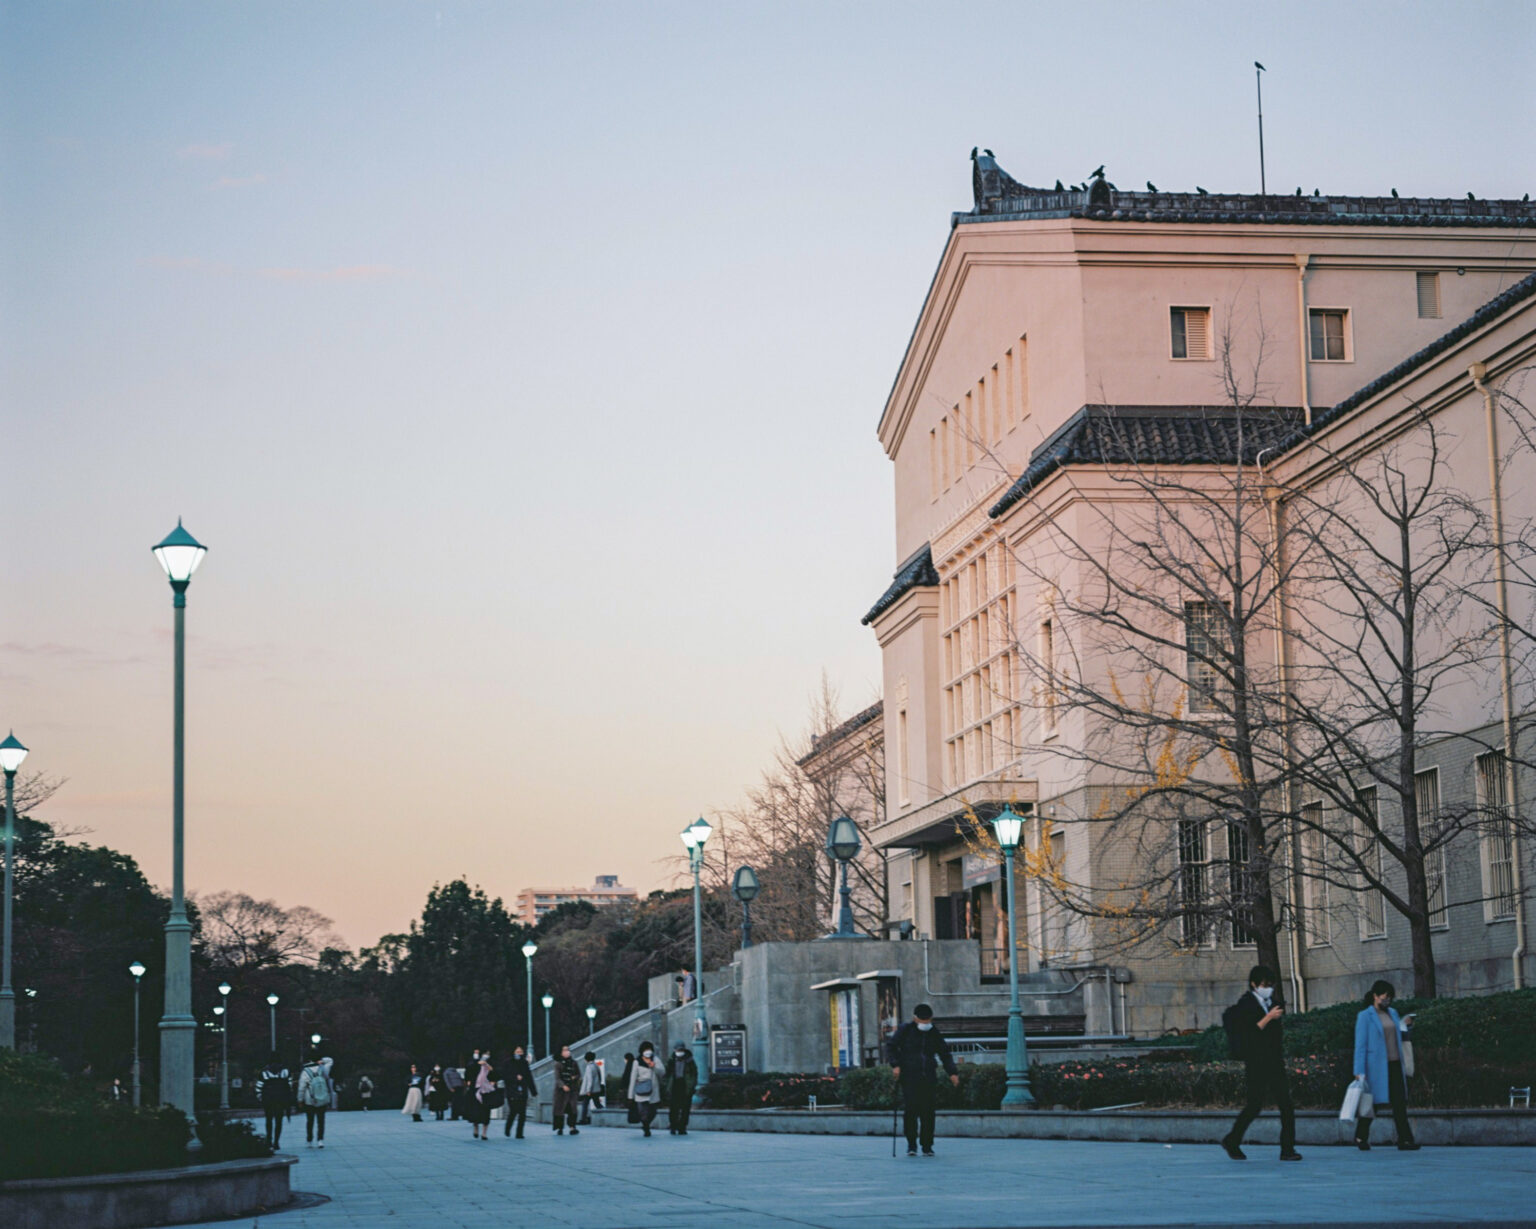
[380, 1169]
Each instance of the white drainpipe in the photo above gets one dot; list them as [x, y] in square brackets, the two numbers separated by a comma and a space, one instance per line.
[1302, 261]
[1479, 373]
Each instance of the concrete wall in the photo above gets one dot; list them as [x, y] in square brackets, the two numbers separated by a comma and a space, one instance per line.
[148, 1197]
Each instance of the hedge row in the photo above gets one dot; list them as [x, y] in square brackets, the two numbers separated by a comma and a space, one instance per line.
[54, 1127]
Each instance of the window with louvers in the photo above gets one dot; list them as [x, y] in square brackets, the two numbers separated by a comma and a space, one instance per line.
[1190, 329]
[1428, 286]
[1498, 835]
[1193, 859]
[1426, 793]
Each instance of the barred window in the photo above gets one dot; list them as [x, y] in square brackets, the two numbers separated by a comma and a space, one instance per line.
[1315, 893]
[1498, 835]
[1204, 647]
[1240, 884]
[1373, 905]
[1194, 882]
[1426, 793]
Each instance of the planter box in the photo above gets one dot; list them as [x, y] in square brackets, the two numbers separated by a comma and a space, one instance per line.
[1476, 1128]
[148, 1196]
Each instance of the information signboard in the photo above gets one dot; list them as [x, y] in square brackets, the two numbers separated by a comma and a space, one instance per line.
[727, 1051]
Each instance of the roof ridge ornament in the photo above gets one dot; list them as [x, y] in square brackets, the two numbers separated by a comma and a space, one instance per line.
[990, 183]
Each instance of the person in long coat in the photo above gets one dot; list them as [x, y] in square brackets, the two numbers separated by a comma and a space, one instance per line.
[481, 1098]
[518, 1078]
[439, 1095]
[644, 1088]
[413, 1095]
[1379, 1036]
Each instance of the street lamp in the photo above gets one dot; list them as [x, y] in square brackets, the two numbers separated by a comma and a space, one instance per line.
[272, 1008]
[11, 755]
[31, 1019]
[1009, 827]
[744, 887]
[843, 844]
[591, 1019]
[222, 1012]
[693, 838]
[528, 950]
[224, 989]
[138, 971]
[179, 554]
[549, 1001]
[314, 1043]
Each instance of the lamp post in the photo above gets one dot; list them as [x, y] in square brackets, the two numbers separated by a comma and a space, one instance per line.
[179, 554]
[224, 989]
[221, 1010]
[1009, 826]
[138, 971]
[272, 1008]
[693, 838]
[528, 950]
[591, 1019]
[549, 1001]
[844, 845]
[314, 1044]
[744, 887]
[11, 755]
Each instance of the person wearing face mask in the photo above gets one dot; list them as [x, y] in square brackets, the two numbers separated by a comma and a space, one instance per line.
[682, 1077]
[1254, 1022]
[567, 1086]
[1379, 1036]
[916, 1051]
[644, 1090]
[518, 1077]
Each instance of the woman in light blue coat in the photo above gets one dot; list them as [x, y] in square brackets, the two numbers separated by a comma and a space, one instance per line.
[1379, 1036]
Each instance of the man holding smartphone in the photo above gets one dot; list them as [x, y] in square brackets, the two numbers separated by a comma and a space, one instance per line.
[1254, 1022]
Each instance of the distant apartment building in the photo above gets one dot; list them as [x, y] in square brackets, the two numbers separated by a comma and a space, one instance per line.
[1059, 325]
[534, 903]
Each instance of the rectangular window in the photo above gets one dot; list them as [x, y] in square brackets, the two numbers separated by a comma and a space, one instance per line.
[1057, 933]
[1373, 911]
[903, 769]
[944, 451]
[933, 463]
[978, 695]
[1498, 836]
[1426, 793]
[1204, 636]
[1048, 677]
[1314, 885]
[1330, 334]
[1428, 287]
[1240, 884]
[1194, 896]
[1190, 329]
[998, 425]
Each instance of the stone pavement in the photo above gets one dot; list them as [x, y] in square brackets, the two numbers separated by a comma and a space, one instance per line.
[380, 1169]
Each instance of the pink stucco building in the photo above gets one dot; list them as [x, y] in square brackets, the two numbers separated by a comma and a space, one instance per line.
[1053, 312]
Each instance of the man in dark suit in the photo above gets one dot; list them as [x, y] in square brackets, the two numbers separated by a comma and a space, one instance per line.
[1254, 1024]
[916, 1051]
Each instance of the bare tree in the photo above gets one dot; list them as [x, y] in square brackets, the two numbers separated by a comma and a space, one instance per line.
[242, 933]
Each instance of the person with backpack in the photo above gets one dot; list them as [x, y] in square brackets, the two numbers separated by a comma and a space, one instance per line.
[275, 1092]
[644, 1088]
[315, 1097]
[1256, 1035]
[916, 1051]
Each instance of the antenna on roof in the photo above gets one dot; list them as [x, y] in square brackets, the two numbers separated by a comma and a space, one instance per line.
[1258, 82]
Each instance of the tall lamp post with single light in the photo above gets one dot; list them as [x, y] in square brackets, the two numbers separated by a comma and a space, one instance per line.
[272, 1008]
[224, 989]
[1009, 827]
[528, 950]
[179, 554]
[843, 844]
[138, 970]
[744, 887]
[591, 1019]
[693, 837]
[549, 1001]
[11, 755]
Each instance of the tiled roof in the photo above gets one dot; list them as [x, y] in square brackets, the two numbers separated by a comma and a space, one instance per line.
[1154, 435]
[915, 572]
[839, 732]
[1485, 314]
[1109, 204]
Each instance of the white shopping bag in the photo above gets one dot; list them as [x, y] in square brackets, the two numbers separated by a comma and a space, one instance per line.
[1357, 1102]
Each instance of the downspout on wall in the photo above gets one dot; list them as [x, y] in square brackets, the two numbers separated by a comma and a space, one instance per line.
[1303, 259]
[1282, 670]
[1479, 373]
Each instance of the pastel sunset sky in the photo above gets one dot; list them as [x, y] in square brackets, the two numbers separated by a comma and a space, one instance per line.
[520, 366]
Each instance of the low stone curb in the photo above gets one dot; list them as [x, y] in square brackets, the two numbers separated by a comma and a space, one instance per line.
[140, 1198]
[1467, 1128]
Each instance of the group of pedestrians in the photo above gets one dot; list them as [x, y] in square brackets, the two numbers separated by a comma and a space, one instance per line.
[315, 1093]
[650, 1082]
[474, 1091]
[1255, 1028]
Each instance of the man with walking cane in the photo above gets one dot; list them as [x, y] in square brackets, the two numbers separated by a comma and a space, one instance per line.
[916, 1051]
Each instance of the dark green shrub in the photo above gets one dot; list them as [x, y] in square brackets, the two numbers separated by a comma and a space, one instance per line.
[868, 1088]
[229, 1139]
[764, 1090]
[54, 1127]
[1493, 1028]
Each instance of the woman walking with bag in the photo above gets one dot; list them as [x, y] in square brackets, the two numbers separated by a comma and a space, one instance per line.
[644, 1089]
[1380, 1038]
[484, 1098]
